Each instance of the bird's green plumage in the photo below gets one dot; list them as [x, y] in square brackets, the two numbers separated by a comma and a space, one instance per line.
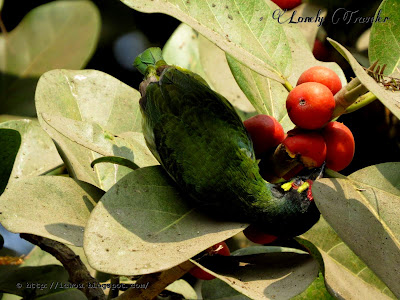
[201, 142]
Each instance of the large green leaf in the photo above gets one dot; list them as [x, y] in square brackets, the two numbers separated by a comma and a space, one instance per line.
[265, 273]
[216, 67]
[384, 43]
[389, 98]
[188, 49]
[308, 29]
[129, 145]
[60, 34]
[317, 290]
[10, 141]
[50, 206]
[146, 226]
[182, 49]
[269, 96]
[97, 101]
[345, 275]
[244, 29]
[37, 154]
[363, 209]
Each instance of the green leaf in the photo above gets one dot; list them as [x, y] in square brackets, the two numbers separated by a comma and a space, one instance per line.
[37, 154]
[183, 288]
[50, 206]
[389, 98]
[182, 49]
[65, 101]
[10, 141]
[216, 67]
[60, 34]
[384, 44]
[244, 29]
[190, 50]
[346, 276]
[316, 290]
[1, 4]
[268, 273]
[368, 202]
[130, 146]
[146, 225]
[308, 29]
[19, 281]
[268, 96]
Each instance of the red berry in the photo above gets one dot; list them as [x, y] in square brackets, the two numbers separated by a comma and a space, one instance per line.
[257, 236]
[310, 147]
[310, 105]
[265, 132]
[287, 4]
[322, 75]
[340, 145]
[220, 249]
[319, 51]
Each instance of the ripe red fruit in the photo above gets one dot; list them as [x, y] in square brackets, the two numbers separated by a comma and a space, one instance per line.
[310, 105]
[287, 4]
[310, 147]
[340, 145]
[257, 236]
[265, 132]
[319, 51]
[322, 75]
[220, 249]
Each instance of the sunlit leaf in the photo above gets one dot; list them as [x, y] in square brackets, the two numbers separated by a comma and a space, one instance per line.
[384, 44]
[216, 67]
[60, 34]
[85, 109]
[389, 98]
[268, 96]
[50, 206]
[267, 273]
[340, 262]
[144, 223]
[182, 50]
[37, 154]
[244, 29]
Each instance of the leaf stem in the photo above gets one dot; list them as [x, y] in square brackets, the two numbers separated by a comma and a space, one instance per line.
[77, 271]
[156, 282]
[287, 85]
[349, 94]
[361, 102]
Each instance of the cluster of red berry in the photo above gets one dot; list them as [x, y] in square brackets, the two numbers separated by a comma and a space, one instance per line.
[315, 139]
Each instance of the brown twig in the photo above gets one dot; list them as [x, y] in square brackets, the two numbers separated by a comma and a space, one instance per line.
[78, 273]
[376, 72]
[155, 283]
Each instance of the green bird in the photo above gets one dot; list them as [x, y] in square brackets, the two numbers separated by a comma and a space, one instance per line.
[201, 142]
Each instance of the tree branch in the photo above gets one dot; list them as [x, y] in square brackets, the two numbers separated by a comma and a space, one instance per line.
[78, 273]
[155, 282]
